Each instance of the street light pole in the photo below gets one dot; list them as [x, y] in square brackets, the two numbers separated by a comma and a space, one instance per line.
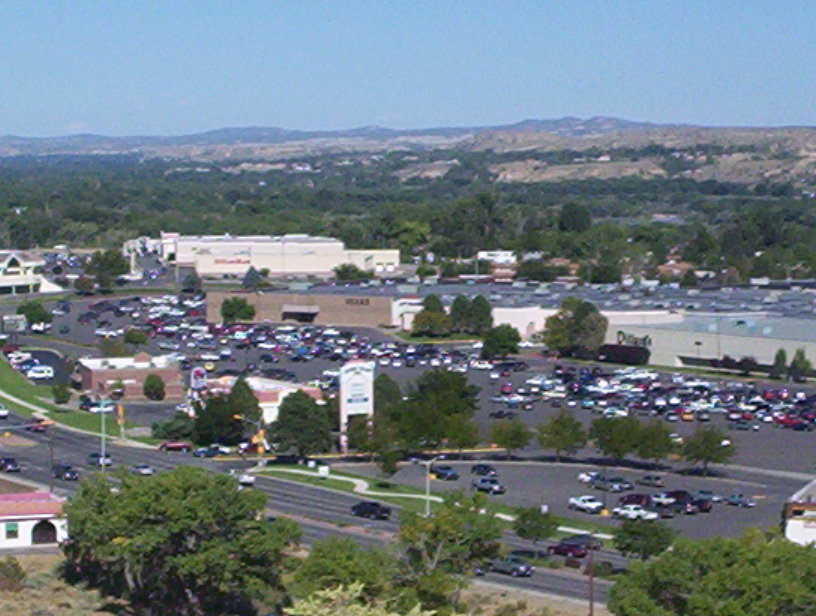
[102, 441]
[427, 465]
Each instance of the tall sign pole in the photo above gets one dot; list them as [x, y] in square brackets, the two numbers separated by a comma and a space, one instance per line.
[356, 395]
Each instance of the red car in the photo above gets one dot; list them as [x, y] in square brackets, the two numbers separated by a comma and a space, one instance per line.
[787, 421]
[184, 446]
[565, 548]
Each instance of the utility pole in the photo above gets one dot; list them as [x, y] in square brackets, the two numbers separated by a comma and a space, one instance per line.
[591, 581]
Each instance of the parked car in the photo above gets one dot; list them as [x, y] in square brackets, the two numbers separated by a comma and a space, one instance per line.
[66, 472]
[653, 481]
[372, 510]
[484, 470]
[9, 465]
[702, 505]
[586, 503]
[40, 372]
[740, 500]
[566, 548]
[445, 473]
[512, 565]
[634, 512]
[183, 446]
[97, 459]
[588, 476]
[644, 500]
[4, 412]
[490, 485]
[586, 540]
[708, 495]
[207, 452]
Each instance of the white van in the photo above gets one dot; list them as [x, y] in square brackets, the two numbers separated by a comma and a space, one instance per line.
[40, 372]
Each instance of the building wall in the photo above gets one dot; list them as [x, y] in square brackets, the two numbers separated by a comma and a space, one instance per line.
[133, 380]
[343, 310]
[24, 530]
[667, 346]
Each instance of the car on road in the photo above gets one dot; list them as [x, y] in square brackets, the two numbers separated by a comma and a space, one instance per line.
[484, 470]
[512, 565]
[9, 465]
[38, 425]
[66, 472]
[586, 503]
[567, 548]
[652, 481]
[586, 540]
[490, 485]
[207, 452]
[634, 512]
[444, 473]
[143, 469]
[97, 459]
[4, 412]
[372, 510]
[740, 500]
[182, 446]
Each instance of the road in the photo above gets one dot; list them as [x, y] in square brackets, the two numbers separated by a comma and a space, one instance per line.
[321, 512]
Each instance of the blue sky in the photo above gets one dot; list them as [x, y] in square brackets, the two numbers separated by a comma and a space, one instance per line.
[171, 67]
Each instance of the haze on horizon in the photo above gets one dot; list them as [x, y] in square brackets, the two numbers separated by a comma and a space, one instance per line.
[137, 68]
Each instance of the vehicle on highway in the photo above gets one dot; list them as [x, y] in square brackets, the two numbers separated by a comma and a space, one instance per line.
[182, 446]
[97, 459]
[490, 485]
[40, 372]
[740, 500]
[586, 503]
[4, 412]
[38, 425]
[484, 470]
[207, 452]
[567, 548]
[444, 473]
[143, 469]
[634, 512]
[66, 472]
[653, 481]
[512, 565]
[9, 465]
[586, 540]
[244, 479]
[372, 510]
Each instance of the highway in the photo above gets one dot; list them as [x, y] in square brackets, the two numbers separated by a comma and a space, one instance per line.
[321, 512]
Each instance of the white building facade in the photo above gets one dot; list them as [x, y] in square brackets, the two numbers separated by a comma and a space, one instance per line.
[31, 518]
[21, 272]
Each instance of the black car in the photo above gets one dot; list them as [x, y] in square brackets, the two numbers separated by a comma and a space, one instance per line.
[484, 470]
[9, 465]
[445, 473]
[586, 540]
[371, 510]
[66, 472]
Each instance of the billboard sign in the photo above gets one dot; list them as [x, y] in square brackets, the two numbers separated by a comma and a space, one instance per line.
[198, 378]
[357, 388]
[14, 323]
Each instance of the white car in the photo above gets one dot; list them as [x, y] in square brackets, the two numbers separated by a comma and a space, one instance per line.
[587, 476]
[662, 499]
[244, 478]
[586, 503]
[143, 469]
[40, 372]
[634, 512]
[481, 365]
[102, 407]
[4, 412]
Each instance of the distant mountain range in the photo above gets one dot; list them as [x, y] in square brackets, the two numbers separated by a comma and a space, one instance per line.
[261, 135]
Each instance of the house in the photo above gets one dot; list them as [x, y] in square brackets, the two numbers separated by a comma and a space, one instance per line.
[21, 272]
[31, 518]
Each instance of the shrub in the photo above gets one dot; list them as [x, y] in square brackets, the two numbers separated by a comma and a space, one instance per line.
[12, 575]
[61, 392]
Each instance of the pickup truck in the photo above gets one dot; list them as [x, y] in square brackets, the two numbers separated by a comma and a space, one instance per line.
[512, 565]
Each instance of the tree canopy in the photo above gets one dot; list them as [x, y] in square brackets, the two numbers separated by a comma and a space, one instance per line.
[578, 328]
[562, 433]
[501, 341]
[302, 425]
[237, 309]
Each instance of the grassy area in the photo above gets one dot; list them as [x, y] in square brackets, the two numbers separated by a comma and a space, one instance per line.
[408, 337]
[387, 488]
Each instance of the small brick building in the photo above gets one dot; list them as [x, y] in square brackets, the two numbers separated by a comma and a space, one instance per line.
[100, 375]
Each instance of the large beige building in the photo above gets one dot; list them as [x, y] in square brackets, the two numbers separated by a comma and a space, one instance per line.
[21, 272]
[282, 255]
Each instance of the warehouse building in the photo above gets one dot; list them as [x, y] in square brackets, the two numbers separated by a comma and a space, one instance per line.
[281, 255]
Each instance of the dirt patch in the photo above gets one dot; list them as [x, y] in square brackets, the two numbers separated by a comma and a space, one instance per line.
[9, 486]
[516, 602]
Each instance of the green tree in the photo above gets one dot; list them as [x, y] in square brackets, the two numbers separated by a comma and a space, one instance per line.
[800, 367]
[192, 282]
[215, 422]
[178, 427]
[338, 561]
[780, 364]
[460, 431]
[510, 435]
[84, 285]
[387, 395]
[153, 387]
[348, 272]
[430, 323]
[533, 525]
[689, 279]
[655, 442]
[577, 328]
[574, 217]
[537, 269]
[615, 436]
[243, 402]
[252, 279]
[643, 539]
[501, 341]
[135, 337]
[34, 312]
[237, 309]
[432, 303]
[445, 544]
[107, 266]
[302, 425]
[706, 447]
[562, 433]
[481, 315]
[61, 392]
[425, 271]
[349, 601]
[749, 576]
[460, 314]
[170, 546]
